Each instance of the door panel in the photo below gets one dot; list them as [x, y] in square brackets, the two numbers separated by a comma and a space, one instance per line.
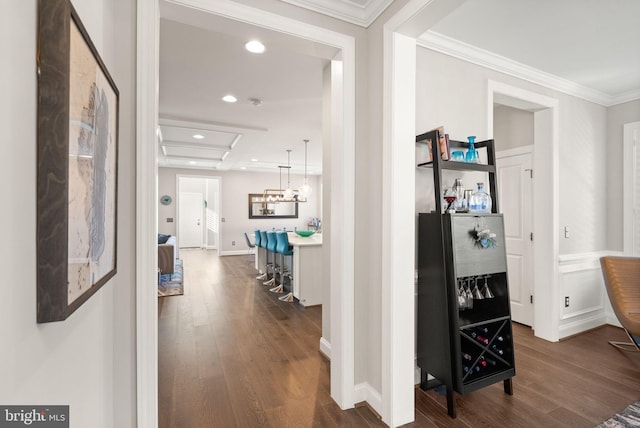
[190, 216]
[515, 195]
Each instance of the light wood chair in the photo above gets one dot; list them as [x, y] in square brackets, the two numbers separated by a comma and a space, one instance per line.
[622, 279]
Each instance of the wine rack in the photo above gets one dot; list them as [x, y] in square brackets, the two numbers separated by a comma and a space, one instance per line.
[485, 350]
[464, 335]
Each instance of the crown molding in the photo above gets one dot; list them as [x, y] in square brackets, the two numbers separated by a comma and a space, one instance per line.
[448, 46]
[625, 97]
[346, 10]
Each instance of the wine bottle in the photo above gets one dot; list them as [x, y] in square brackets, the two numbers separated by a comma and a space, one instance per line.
[466, 356]
[489, 361]
[484, 330]
[482, 362]
[479, 338]
[497, 350]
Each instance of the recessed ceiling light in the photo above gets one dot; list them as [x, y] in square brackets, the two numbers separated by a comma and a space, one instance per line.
[229, 99]
[254, 46]
[192, 162]
[254, 160]
[198, 136]
[243, 167]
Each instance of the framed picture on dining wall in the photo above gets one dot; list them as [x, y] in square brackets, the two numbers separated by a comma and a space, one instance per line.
[77, 179]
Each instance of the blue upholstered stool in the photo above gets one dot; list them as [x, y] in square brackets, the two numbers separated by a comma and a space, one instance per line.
[271, 250]
[284, 249]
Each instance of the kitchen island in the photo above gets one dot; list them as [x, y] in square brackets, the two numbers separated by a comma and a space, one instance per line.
[308, 278]
[308, 275]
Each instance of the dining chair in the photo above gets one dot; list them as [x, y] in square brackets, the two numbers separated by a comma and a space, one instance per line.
[622, 280]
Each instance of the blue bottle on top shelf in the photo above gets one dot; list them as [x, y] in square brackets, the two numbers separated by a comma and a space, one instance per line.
[472, 153]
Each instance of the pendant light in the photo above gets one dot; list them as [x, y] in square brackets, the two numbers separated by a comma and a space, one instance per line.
[288, 193]
[305, 189]
[280, 194]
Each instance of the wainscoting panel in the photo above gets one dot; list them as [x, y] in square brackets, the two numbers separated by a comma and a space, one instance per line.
[580, 278]
[585, 290]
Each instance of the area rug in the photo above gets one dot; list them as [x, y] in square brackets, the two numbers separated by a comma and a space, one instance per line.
[171, 285]
[629, 417]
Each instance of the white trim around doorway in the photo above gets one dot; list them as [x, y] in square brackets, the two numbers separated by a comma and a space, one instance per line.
[630, 139]
[545, 198]
[342, 206]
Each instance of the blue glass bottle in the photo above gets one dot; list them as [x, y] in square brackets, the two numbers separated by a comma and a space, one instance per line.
[472, 153]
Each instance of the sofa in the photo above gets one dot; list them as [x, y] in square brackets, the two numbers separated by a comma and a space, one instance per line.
[167, 254]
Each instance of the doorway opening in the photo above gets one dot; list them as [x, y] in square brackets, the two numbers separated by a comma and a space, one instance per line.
[198, 203]
[339, 231]
[544, 198]
[514, 139]
[631, 203]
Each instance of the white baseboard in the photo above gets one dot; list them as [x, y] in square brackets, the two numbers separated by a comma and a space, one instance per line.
[416, 375]
[580, 326]
[325, 347]
[234, 253]
[612, 320]
[365, 392]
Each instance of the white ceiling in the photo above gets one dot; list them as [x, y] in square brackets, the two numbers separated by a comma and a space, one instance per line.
[587, 48]
[594, 44]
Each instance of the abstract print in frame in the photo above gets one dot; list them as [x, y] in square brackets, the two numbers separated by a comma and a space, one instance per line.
[77, 164]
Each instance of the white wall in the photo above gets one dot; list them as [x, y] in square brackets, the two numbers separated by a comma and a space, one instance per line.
[88, 360]
[617, 116]
[213, 190]
[461, 91]
[511, 127]
[235, 187]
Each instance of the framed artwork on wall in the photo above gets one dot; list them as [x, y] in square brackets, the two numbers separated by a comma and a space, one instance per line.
[77, 164]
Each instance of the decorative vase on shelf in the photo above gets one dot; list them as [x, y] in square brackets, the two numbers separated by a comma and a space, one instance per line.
[480, 201]
[472, 153]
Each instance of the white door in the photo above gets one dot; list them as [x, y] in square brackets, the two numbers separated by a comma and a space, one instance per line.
[191, 220]
[515, 182]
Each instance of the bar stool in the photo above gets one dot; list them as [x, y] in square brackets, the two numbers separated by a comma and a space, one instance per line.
[271, 248]
[256, 242]
[251, 245]
[279, 288]
[261, 242]
[284, 249]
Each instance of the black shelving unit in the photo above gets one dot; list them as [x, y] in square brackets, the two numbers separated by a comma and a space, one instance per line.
[463, 349]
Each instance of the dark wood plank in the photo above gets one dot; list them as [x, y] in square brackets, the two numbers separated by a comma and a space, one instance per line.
[231, 354]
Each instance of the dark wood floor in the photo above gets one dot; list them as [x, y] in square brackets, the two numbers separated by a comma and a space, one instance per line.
[231, 354]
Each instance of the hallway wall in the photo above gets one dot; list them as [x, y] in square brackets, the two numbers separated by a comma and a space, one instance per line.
[88, 360]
